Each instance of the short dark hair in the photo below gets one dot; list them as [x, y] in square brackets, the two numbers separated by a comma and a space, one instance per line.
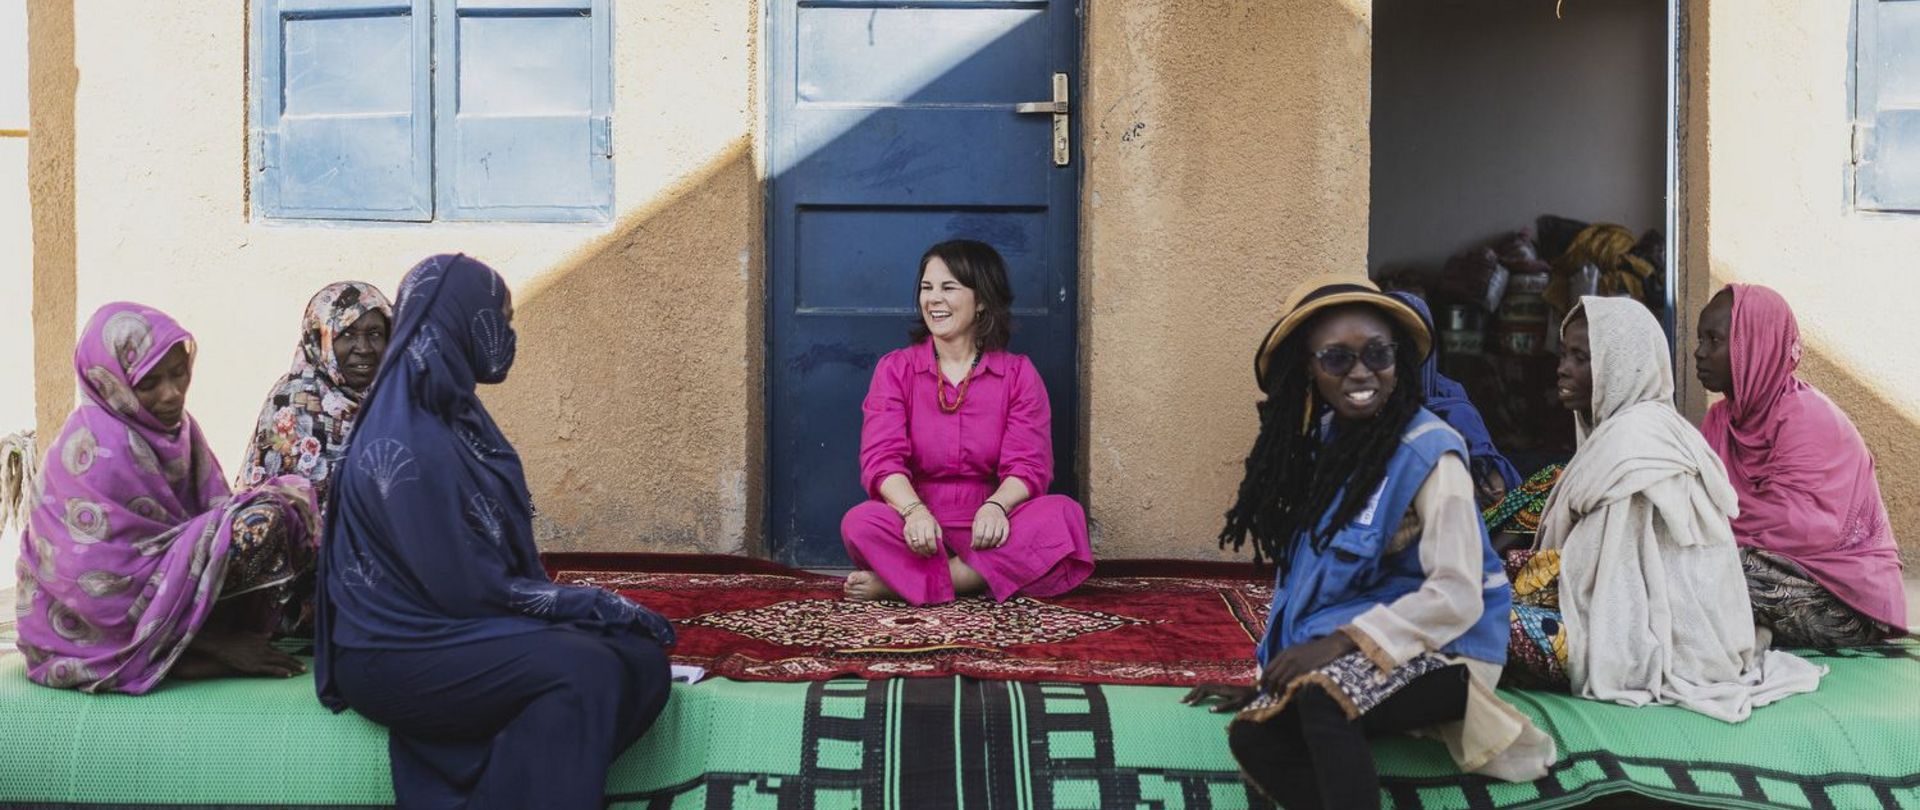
[978, 267]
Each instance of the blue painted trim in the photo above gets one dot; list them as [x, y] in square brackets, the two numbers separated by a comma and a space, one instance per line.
[434, 102]
[1865, 111]
[599, 118]
[267, 153]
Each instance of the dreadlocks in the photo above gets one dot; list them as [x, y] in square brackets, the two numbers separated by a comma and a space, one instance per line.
[1292, 478]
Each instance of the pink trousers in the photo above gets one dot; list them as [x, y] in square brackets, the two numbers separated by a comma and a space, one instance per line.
[1046, 552]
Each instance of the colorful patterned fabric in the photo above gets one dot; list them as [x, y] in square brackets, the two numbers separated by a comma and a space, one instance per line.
[1519, 512]
[1537, 657]
[1805, 478]
[1800, 611]
[304, 425]
[1352, 680]
[259, 556]
[1537, 649]
[132, 527]
[778, 624]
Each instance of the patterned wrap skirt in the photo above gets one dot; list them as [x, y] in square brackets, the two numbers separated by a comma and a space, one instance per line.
[1537, 646]
[264, 561]
[1353, 681]
[1800, 612]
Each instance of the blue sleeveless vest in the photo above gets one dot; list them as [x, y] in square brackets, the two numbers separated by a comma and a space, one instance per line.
[1321, 591]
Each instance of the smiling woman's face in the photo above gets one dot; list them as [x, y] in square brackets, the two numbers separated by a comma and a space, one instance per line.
[948, 307]
[1346, 336]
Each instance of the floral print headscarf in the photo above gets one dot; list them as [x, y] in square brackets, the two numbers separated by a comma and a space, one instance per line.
[304, 425]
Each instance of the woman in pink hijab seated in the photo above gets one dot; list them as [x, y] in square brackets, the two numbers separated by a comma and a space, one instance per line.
[1821, 564]
[138, 562]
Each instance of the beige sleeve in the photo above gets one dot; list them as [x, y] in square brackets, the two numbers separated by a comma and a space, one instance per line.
[1449, 601]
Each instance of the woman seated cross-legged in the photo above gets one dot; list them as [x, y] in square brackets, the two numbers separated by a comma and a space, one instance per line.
[138, 561]
[1634, 573]
[1821, 564]
[957, 452]
[435, 619]
[1389, 610]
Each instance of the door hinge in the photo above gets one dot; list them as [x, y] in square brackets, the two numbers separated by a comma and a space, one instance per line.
[604, 136]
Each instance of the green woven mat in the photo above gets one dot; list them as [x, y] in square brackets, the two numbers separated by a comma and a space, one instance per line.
[912, 743]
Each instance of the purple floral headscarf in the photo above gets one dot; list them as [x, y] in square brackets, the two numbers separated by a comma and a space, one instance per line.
[127, 542]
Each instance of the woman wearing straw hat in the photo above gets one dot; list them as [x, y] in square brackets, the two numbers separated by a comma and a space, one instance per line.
[1390, 606]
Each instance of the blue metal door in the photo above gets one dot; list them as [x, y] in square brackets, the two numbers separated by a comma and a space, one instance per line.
[893, 126]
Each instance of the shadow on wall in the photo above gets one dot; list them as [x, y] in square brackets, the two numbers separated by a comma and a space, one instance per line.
[636, 398]
[1889, 434]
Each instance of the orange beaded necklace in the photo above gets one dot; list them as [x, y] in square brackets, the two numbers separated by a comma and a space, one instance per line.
[941, 382]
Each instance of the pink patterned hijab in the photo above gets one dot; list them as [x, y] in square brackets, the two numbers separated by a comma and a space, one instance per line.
[127, 543]
[1805, 478]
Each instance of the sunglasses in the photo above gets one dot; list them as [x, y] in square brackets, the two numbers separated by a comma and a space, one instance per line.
[1338, 360]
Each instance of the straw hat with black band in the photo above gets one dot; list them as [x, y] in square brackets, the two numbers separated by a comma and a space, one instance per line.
[1327, 292]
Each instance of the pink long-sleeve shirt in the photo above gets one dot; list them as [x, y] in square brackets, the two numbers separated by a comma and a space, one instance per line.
[1003, 429]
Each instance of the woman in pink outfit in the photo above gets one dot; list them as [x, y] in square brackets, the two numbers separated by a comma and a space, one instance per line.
[1822, 566]
[956, 452]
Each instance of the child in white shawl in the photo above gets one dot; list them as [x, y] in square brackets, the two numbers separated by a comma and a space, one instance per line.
[1653, 599]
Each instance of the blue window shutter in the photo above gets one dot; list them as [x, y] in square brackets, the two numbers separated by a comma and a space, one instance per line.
[343, 125]
[523, 102]
[1887, 106]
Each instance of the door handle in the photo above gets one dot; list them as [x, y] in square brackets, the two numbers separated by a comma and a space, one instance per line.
[1059, 108]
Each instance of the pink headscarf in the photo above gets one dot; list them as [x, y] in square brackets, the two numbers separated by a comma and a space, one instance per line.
[127, 544]
[1806, 480]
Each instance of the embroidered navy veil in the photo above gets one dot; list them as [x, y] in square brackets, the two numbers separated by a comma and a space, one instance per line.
[429, 541]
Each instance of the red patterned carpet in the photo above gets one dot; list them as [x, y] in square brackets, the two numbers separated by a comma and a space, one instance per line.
[1153, 622]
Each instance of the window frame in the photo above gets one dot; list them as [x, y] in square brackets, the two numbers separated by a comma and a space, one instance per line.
[435, 41]
[1863, 109]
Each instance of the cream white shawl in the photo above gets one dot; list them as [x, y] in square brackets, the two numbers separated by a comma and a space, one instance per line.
[1653, 597]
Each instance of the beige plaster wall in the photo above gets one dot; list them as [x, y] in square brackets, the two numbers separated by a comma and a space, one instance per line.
[16, 230]
[16, 249]
[1767, 198]
[635, 398]
[1226, 148]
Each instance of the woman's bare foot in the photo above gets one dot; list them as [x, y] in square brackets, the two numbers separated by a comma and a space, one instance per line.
[866, 586]
[225, 655]
[966, 581]
[193, 666]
